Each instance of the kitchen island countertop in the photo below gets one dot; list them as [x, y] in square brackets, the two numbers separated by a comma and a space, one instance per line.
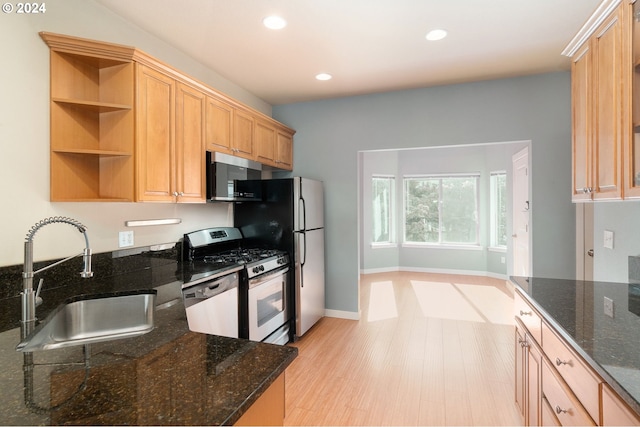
[609, 343]
[167, 376]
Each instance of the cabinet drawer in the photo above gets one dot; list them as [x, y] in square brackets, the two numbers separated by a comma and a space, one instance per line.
[562, 401]
[528, 317]
[582, 380]
[614, 411]
[549, 417]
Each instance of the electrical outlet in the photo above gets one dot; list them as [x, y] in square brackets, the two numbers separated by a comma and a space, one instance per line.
[502, 260]
[125, 239]
[608, 239]
[608, 307]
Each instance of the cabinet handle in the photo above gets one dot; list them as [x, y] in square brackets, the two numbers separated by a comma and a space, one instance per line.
[181, 193]
[175, 194]
[559, 410]
[525, 313]
[562, 362]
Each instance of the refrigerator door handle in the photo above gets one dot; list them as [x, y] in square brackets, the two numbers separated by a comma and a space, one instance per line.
[302, 204]
[303, 257]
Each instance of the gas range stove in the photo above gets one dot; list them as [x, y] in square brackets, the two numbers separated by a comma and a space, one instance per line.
[217, 251]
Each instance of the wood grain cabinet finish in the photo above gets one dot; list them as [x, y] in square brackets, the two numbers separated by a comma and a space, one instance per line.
[632, 146]
[269, 409]
[574, 371]
[528, 378]
[219, 125]
[614, 411]
[564, 403]
[601, 107]
[190, 131]
[529, 317]
[169, 140]
[109, 145]
[92, 120]
[554, 385]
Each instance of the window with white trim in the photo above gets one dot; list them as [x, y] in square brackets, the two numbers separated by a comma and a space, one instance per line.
[498, 214]
[382, 209]
[441, 209]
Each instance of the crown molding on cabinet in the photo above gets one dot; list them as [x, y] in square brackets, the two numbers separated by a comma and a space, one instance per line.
[601, 13]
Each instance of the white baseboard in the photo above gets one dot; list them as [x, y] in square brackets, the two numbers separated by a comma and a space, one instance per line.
[435, 270]
[349, 315]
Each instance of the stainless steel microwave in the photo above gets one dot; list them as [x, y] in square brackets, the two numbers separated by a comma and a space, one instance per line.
[231, 178]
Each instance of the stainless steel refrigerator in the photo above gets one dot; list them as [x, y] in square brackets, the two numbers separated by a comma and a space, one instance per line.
[291, 217]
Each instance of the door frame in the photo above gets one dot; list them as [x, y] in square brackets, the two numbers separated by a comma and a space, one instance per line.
[517, 157]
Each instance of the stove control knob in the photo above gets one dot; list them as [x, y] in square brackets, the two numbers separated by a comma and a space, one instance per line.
[256, 269]
[262, 268]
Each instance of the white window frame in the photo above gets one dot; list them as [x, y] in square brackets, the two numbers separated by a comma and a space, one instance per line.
[440, 245]
[493, 245]
[392, 203]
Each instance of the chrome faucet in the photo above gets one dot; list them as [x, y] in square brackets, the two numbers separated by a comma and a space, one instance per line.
[30, 299]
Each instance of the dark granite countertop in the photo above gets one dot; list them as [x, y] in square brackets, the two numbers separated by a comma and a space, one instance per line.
[167, 376]
[575, 309]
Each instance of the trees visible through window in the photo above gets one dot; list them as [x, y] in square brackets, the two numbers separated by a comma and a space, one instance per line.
[498, 226]
[441, 209]
[382, 191]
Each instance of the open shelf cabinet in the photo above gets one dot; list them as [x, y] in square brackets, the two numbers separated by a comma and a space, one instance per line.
[92, 120]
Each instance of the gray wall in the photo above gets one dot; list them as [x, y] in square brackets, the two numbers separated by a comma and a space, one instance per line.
[330, 133]
[623, 218]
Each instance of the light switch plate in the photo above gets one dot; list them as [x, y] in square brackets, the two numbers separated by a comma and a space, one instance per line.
[608, 307]
[125, 239]
[608, 239]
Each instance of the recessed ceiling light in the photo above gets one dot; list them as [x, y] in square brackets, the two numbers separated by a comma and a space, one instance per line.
[274, 22]
[323, 76]
[435, 35]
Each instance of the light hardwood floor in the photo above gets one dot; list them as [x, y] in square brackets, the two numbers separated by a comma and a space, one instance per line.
[429, 349]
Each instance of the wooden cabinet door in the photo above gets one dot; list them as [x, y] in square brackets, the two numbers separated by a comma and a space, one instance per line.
[581, 123]
[189, 141]
[284, 151]
[608, 92]
[614, 411]
[155, 144]
[534, 384]
[243, 134]
[265, 139]
[520, 373]
[219, 125]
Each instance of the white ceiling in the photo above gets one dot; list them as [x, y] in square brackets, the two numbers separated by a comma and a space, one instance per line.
[367, 45]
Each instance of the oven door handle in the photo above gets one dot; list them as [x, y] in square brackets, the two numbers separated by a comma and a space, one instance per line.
[257, 281]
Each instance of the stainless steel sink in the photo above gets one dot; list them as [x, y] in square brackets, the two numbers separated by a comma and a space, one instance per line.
[90, 319]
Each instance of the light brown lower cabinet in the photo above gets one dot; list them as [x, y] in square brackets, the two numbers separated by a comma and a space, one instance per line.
[614, 411]
[548, 414]
[565, 404]
[268, 410]
[528, 376]
[554, 385]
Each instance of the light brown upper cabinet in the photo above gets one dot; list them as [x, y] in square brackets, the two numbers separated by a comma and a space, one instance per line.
[601, 93]
[128, 127]
[274, 146]
[632, 148]
[169, 139]
[242, 138]
[219, 124]
[92, 120]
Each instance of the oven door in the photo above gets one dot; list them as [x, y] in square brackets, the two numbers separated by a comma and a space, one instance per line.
[268, 307]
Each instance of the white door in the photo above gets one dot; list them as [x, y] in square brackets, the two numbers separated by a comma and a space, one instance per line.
[521, 209]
